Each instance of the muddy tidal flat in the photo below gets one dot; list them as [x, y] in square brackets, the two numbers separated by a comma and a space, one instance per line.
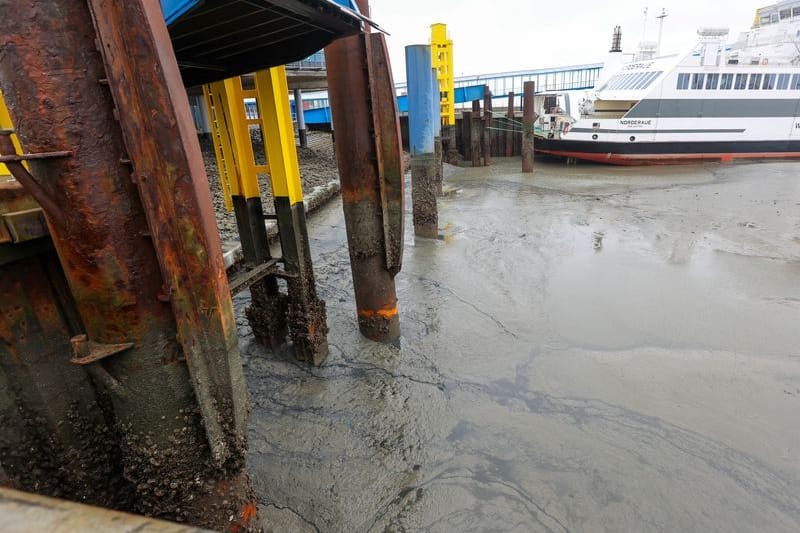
[585, 349]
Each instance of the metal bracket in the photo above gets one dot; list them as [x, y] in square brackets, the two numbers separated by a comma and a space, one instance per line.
[18, 158]
[247, 278]
[85, 351]
[24, 225]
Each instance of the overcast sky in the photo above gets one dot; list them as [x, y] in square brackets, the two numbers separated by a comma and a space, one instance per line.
[504, 35]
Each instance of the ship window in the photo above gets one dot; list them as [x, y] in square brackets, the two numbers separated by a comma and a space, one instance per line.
[610, 83]
[621, 81]
[755, 81]
[683, 81]
[795, 82]
[783, 81]
[765, 19]
[636, 80]
[637, 84]
[796, 11]
[769, 82]
[618, 81]
[726, 82]
[631, 81]
[786, 13]
[741, 82]
[697, 81]
[712, 80]
[651, 77]
[774, 18]
[644, 81]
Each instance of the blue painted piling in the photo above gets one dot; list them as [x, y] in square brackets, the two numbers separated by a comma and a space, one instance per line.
[423, 118]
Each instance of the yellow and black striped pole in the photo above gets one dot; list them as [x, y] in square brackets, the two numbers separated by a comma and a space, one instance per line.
[307, 321]
[233, 148]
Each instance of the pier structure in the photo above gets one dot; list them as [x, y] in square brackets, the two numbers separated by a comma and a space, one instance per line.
[121, 383]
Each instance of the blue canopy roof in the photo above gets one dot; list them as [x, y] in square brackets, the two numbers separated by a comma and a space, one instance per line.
[217, 39]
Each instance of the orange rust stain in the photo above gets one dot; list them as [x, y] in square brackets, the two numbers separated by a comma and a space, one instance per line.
[358, 195]
[384, 312]
[248, 514]
[311, 329]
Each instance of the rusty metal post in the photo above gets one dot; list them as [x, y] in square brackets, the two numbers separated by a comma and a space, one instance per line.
[130, 214]
[528, 115]
[510, 129]
[487, 126]
[437, 132]
[449, 147]
[369, 154]
[466, 134]
[475, 137]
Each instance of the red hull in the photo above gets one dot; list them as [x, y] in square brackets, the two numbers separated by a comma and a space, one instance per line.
[667, 159]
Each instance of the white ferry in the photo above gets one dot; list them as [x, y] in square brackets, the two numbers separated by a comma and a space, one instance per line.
[718, 102]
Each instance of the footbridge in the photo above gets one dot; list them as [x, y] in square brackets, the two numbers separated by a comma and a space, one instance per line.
[469, 88]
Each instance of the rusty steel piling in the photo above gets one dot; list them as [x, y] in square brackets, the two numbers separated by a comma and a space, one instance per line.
[487, 126]
[131, 218]
[475, 132]
[369, 155]
[437, 132]
[466, 134]
[510, 134]
[528, 117]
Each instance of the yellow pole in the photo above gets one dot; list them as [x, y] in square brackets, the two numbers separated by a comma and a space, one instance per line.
[232, 143]
[442, 61]
[223, 147]
[276, 122]
[5, 124]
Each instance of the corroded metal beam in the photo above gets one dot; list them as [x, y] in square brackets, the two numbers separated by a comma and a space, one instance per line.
[368, 151]
[131, 217]
[487, 126]
[528, 117]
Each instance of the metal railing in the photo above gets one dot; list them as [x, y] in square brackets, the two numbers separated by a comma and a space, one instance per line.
[315, 61]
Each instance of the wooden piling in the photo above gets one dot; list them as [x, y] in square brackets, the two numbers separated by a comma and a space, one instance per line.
[475, 133]
[528, 115]
[509, 133]
[487, 126]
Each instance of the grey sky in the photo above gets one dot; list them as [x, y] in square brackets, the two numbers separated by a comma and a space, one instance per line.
[524, 34]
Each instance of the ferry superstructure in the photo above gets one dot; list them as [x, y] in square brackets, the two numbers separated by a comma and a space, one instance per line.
[717, 102]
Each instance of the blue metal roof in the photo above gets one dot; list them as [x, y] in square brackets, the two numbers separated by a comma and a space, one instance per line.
[217, 39]
[174, 9]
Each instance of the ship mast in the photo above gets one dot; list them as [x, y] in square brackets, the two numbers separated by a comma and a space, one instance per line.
[661, 18]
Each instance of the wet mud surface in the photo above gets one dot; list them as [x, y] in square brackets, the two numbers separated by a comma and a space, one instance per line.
[585, 349]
